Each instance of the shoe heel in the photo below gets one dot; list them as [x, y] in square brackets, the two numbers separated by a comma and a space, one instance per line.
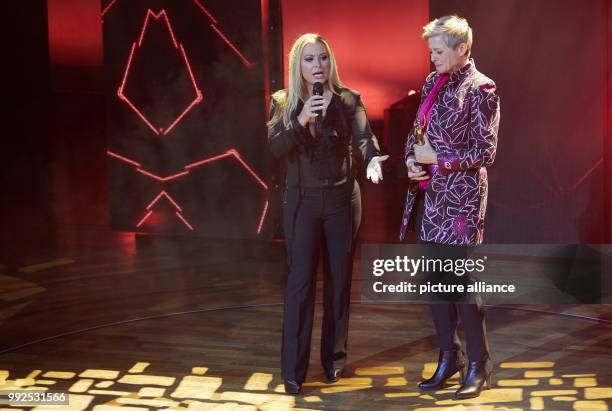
[488, 381]
[462, 375]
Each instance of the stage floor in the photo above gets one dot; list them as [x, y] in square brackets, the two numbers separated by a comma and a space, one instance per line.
[164, 326]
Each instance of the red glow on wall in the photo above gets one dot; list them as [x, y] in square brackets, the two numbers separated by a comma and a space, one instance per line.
[170, 199]
[120, 92]
[208, 14]
[141, 222]
[265, 41]
[125, 159]
[75, 33]
[162, 179]
[249, 169]
[231, 153]
[180, 216]
[161, 195]
[108, 7]
[587, 174]
[262, 218]
[245, 61]
[378, 45]
[216, 29]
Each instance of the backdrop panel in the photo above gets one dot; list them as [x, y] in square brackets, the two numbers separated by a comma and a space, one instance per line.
[186, 116]
[548, 58]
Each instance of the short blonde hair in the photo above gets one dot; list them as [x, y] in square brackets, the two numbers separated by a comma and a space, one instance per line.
[453, 29]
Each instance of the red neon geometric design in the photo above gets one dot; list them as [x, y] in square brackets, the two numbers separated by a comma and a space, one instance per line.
[159, 130]
[213, 25]
[231, 153]
[108, 7]
[162, 194]
[247, 63]
[141, 222]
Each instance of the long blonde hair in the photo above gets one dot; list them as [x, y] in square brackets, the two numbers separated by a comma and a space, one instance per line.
[286, 101]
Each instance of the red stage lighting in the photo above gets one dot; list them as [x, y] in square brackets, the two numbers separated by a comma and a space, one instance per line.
[120, 92]
[231, 153]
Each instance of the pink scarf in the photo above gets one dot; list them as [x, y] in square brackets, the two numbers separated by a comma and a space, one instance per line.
[424, 116]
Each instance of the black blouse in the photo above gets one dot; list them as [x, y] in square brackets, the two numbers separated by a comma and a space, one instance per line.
[325, 160]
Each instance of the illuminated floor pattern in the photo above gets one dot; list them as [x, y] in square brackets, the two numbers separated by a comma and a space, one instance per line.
[234, 368]
[170, 328]
[134, 389]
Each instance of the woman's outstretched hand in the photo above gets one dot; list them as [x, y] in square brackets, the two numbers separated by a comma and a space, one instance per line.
[374, 170]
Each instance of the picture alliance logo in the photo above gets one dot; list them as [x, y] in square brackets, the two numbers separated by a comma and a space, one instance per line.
[412, 266]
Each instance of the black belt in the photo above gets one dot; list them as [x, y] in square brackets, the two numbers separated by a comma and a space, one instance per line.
[323, 187]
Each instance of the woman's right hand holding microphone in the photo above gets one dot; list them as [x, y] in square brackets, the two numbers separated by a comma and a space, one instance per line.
[312, 108]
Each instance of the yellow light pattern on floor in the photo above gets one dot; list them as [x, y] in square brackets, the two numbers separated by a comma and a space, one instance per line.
[539, 374]
[139, 367]
[526, 365]
[109, 392]
[396, 382]
[402, 394]
[536, 403]
[142, 379]
[46, 382]
[590, 406]
[598, 393]
[518, 383]
[379, 370]
[58, 375]
[585, 382]
[258, 382]
[81, 385]
[201, 388]
[132, 390]
[100, 374]
[562, 398]
[550, 393]
[152, 392]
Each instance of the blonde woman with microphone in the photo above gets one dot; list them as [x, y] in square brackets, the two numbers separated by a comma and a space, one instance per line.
[317, 132]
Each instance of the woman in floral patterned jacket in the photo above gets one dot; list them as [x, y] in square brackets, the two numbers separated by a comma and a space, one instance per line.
[453, 141]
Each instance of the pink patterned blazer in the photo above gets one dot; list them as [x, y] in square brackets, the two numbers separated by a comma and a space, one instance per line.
[463, 131]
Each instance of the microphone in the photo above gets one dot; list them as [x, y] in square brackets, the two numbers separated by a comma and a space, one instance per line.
[317, 90]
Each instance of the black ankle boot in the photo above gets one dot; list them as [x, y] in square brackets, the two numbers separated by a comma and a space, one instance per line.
[333, 375]
[292, 387]
[449, 363]
[478, 377]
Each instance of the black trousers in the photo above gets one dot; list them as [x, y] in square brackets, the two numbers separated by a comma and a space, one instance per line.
[330, 217]
[446, 316]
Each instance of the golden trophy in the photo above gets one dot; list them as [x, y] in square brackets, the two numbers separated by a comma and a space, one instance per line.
[419, 133]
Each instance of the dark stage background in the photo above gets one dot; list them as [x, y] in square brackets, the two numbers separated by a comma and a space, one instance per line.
[550, 59]
[186, 113]
[551, 178]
